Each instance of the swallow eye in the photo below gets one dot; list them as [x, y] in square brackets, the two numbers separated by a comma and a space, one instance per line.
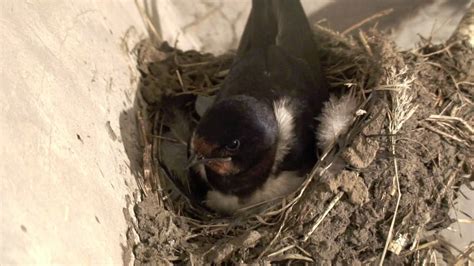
[233, 146]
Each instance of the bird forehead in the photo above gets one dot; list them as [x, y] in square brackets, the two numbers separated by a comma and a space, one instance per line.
[203, 146]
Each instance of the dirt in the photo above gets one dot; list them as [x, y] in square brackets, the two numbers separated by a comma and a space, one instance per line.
[429, 165]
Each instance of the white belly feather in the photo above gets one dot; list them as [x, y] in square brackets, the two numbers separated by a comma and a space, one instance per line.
[275, 187]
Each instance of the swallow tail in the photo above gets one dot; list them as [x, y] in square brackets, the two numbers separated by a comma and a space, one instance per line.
[282, 23]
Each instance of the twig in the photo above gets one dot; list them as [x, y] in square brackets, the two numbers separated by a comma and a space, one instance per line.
[293, 257]
[399, 196]
[194, 64]
[321, 218]
[149, 22]
[168, 139]
[364, 41]
[465, 221]
[303, 251]
[452, 118]
[281, 251]
[446, 135]
[465, 256]
[367, 20]
[181, 83]
[147, 160]
[421, 247]
[451, 177]
[446, 48]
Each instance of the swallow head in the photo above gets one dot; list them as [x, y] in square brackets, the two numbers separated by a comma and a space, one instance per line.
[235, 135]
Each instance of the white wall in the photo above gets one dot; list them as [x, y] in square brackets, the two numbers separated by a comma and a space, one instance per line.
[64, 72]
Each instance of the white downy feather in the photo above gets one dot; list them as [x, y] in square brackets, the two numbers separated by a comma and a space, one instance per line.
[335, 119]
[286, 126]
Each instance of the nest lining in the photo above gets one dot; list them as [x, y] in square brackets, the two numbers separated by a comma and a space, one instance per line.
[375, 193]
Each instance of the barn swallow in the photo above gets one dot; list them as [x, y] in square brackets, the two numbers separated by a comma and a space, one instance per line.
[257, 141]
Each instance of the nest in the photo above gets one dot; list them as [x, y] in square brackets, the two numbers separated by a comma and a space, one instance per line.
[381, 193]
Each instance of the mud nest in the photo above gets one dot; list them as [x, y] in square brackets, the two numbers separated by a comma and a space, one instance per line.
[382, 192]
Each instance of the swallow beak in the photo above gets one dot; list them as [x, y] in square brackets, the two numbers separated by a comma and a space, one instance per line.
[195, 159]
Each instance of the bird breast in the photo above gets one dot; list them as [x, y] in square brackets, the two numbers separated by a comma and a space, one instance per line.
[275, 187]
